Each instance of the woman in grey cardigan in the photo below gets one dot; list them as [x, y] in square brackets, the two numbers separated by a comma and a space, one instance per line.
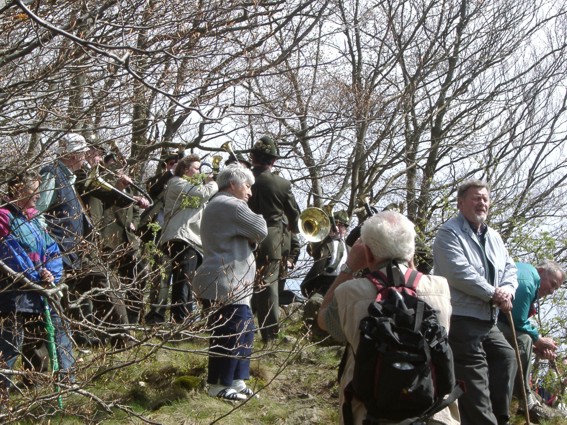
[224, 282]
[185, 198]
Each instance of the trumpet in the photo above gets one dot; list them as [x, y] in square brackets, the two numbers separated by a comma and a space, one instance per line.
[140, 188]
[316, 223]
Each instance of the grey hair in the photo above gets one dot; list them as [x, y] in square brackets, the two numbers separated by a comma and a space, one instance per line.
[463, 188]
[389, 235]
[234, 173]
[551, 267]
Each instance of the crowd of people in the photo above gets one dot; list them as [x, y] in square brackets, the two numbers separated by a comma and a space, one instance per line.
[224, 242]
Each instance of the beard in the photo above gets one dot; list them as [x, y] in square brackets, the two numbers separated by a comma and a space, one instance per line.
[480, 217]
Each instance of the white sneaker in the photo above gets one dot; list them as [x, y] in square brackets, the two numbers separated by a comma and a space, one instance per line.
[230, 394]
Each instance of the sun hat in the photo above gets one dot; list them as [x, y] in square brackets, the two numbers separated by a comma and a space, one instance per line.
[72, 143]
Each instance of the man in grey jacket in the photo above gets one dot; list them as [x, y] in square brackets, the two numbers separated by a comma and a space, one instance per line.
[482, 278]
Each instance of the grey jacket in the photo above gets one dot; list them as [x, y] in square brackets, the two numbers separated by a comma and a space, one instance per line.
[184, 204]
[459, 257]
[230, 230]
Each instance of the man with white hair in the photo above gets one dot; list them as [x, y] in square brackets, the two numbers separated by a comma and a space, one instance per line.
[534, 283]
[385, 237]
[482, 278]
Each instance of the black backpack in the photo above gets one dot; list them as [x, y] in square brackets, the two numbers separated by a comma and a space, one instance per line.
[403, 364]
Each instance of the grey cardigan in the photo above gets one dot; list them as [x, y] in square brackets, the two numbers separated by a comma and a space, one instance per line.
[459, 257]
[229, 232]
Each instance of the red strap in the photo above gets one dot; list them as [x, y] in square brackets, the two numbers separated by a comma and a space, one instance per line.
[412, 278]
[379, 280]
[378, 284]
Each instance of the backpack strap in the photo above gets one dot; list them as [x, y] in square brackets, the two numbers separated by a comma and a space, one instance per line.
[437, 407]
[412, 278]
[444, 402]
[382, 281]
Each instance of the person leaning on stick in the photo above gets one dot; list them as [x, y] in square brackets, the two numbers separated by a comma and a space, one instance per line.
[534, 283]
[482, 278]
[27, 248]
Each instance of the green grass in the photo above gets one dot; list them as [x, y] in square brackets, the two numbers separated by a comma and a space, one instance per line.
[164, 383]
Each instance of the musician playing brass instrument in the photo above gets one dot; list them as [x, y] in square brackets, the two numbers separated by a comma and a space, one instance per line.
[185, 198]
[113, 209]
[119, 236]
[329, 255]
[272, 197]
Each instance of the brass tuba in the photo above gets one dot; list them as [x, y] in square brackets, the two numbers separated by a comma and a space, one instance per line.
[314, 224]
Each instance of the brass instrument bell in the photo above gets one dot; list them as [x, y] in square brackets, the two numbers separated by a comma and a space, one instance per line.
[216, 163]
[314, 224]
[227, 147]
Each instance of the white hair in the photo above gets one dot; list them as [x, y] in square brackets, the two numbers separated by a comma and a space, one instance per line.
[234, 173]
[551, 267]
[390, 236]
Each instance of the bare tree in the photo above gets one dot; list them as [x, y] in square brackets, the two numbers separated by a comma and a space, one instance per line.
[400, 101]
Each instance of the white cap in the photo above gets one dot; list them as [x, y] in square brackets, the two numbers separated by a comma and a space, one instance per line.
[71, 143]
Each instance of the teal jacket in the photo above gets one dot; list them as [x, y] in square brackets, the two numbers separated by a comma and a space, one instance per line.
[526, 300]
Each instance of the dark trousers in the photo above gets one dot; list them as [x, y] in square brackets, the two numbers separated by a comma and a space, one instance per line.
[266, 299]
[184, 261]
[159, 292]
[24, 334]
[525, 348]
[230, 345]
[486, 364]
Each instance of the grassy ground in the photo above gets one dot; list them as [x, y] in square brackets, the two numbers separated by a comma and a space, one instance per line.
[162, 381]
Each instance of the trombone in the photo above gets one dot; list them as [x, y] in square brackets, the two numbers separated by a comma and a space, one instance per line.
[93, 178]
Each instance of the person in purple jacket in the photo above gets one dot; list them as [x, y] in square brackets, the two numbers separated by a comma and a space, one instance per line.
[27, 248]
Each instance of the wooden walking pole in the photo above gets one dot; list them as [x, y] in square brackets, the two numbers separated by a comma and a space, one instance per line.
[520, 368]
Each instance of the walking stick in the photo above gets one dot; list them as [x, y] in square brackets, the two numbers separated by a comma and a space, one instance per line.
[51, 347]
[520, 368]
[28, 284]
